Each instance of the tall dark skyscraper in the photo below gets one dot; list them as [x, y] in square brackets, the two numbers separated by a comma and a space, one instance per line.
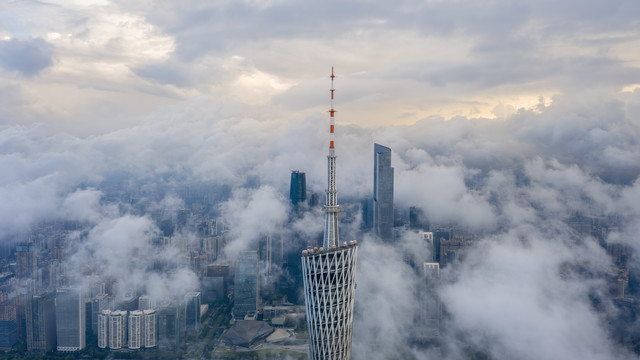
[329, 276]
[192, 302]
[70, 320]
[41, 323]
[98, 303]
[298, 188]
[382, 192]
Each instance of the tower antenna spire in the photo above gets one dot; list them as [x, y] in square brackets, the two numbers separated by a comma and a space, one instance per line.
[331, 208]
[329, 275]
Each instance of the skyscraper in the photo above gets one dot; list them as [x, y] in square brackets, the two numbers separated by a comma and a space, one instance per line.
[192, 302]
[431, 244]
[329, 276]
[136, 325]
[26, 261]
[430, 315]
[70, 320]
[298, 189]
[103, 329]
[149, 331]
[98, 303]
[171, 326]
[41, 323]
[382, 192]
[245, 284]
[117, 329]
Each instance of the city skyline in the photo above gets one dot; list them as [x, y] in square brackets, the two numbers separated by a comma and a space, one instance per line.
[513, 127]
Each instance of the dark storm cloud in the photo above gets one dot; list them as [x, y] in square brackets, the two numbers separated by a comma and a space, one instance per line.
[29, 57]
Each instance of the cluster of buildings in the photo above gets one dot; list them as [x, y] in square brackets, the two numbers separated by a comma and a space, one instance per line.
[38, 305]
[62, 320]
[329, 270]
[41, 306]
[150, 326]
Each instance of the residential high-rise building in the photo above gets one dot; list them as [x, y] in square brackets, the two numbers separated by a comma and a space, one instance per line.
[150, 329]
[245, 284]
[70, 320]
[103, 329]
[136, 325]
[40, 314]
[117, 329]
[329, 276]
[192, 301]
[382, 192]
[298, 188]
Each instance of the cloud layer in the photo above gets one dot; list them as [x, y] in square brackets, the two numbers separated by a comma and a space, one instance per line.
[527, 284]
[505, 118]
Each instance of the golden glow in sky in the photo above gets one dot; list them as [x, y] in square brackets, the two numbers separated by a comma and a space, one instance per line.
[103, 65]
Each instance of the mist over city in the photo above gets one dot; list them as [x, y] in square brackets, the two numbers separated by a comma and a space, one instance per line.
[152, 153]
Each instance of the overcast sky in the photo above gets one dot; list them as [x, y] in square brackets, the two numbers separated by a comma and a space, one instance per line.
[91, 66]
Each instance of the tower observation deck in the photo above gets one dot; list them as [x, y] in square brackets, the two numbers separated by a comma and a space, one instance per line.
[329, 275]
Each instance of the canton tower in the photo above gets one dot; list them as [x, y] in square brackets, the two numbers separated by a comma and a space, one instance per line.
[329, 275]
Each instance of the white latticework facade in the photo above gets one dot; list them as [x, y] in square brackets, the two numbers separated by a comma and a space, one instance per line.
[329, 285]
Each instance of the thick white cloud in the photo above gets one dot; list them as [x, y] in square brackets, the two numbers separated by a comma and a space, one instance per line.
[251, 216]
[520, 294]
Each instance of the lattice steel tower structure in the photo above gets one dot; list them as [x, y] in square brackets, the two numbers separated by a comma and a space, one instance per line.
[329, 275]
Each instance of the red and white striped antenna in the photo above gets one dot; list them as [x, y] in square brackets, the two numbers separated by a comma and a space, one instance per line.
[332, 113]
[331, 208]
